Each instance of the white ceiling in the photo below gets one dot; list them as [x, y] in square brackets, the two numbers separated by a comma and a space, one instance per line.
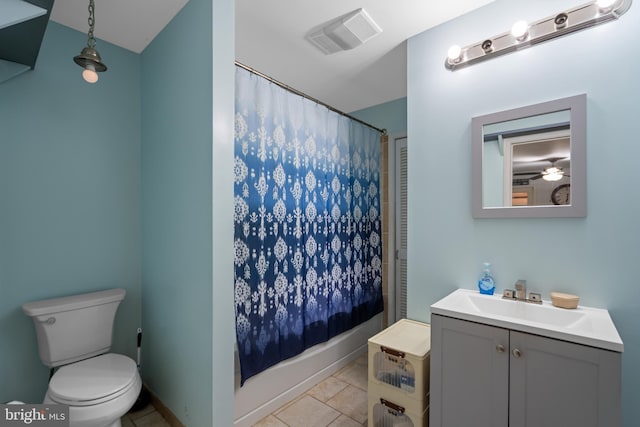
[130, 24]
[270, 37]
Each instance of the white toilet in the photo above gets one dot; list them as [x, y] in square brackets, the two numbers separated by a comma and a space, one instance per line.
[74, 334]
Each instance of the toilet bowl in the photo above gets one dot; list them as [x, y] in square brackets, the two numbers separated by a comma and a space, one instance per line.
[74, 334]
[98, 391]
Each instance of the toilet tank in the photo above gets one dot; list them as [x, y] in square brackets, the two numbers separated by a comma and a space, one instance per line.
[75, 327]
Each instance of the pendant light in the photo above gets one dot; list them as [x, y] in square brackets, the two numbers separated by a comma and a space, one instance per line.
[89, 58]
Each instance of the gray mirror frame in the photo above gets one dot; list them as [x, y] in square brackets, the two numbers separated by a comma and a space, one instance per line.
[578, 133]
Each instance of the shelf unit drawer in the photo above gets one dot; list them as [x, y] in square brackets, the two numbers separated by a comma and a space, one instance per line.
[399, 360]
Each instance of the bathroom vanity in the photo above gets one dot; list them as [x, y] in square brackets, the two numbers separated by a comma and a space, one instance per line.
[499, 363]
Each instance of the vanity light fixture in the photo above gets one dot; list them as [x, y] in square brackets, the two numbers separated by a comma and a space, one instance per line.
[89, 59]
[523, 35]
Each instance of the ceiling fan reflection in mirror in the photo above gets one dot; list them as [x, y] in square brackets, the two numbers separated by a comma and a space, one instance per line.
[554, 172]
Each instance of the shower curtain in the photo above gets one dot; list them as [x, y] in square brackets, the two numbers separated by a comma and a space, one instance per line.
[307, 241]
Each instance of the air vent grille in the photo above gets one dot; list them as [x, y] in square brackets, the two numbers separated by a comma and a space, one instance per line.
[344, 33]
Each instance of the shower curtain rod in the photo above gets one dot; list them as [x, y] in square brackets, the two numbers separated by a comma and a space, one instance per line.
[304, 95]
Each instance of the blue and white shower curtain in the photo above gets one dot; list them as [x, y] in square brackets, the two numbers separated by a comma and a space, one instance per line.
[308, 250]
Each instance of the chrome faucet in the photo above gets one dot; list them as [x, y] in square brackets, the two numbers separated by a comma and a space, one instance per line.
[520, 293]
[521, 290]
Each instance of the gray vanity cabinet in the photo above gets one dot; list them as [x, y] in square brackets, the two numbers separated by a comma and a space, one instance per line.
[469, 375]
[486, 376]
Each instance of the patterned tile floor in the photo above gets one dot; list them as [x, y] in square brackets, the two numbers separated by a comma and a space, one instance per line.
[338, 401]
[145, 417]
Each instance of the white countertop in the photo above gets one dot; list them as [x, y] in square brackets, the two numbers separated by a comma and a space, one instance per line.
[583, 325]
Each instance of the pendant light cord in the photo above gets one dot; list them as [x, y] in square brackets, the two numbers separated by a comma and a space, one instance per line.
[92, 41]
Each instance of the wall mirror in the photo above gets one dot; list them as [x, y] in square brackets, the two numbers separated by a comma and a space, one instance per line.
[530, 162]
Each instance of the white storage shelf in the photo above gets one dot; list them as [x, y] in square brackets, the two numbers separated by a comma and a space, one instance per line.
[384, 413]
[399, 372]
[390, 367]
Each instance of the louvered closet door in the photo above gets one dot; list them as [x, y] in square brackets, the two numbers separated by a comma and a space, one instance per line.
[401, 228]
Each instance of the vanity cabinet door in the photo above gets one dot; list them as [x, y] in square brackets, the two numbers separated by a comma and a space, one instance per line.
[557, 383]
[469, 374]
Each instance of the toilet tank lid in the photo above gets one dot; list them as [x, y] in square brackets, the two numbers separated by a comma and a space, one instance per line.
[73, 302]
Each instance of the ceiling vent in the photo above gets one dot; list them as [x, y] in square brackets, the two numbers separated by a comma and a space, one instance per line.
[344, 33]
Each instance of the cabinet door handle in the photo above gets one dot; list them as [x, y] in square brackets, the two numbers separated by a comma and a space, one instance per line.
[516, 352]
[500, 348]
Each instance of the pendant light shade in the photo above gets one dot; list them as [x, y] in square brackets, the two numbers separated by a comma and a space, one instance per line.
[89, 58]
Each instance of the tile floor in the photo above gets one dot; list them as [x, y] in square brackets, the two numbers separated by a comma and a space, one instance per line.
[145, 417]
[338, 401]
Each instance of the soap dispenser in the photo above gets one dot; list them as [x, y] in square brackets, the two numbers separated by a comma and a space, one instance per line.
[486, 284]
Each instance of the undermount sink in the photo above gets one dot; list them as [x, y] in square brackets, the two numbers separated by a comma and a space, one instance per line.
[583, 325]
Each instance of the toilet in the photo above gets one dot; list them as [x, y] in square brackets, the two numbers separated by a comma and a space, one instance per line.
[74, 335]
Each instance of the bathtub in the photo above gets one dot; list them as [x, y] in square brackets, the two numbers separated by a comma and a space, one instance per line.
[264, 393]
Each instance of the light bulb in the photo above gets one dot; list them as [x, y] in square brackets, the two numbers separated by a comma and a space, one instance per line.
[520, 30]
[555, 177]
[89, 74]
[454, 53]
[552, 174]
[605, 4]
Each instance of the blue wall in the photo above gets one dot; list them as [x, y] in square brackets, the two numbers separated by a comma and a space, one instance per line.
[69, 197]
[73, 159]
[391, 116]
[187, 200]
[595, 257]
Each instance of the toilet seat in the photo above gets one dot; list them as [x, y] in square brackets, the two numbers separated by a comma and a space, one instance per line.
[93, 381]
